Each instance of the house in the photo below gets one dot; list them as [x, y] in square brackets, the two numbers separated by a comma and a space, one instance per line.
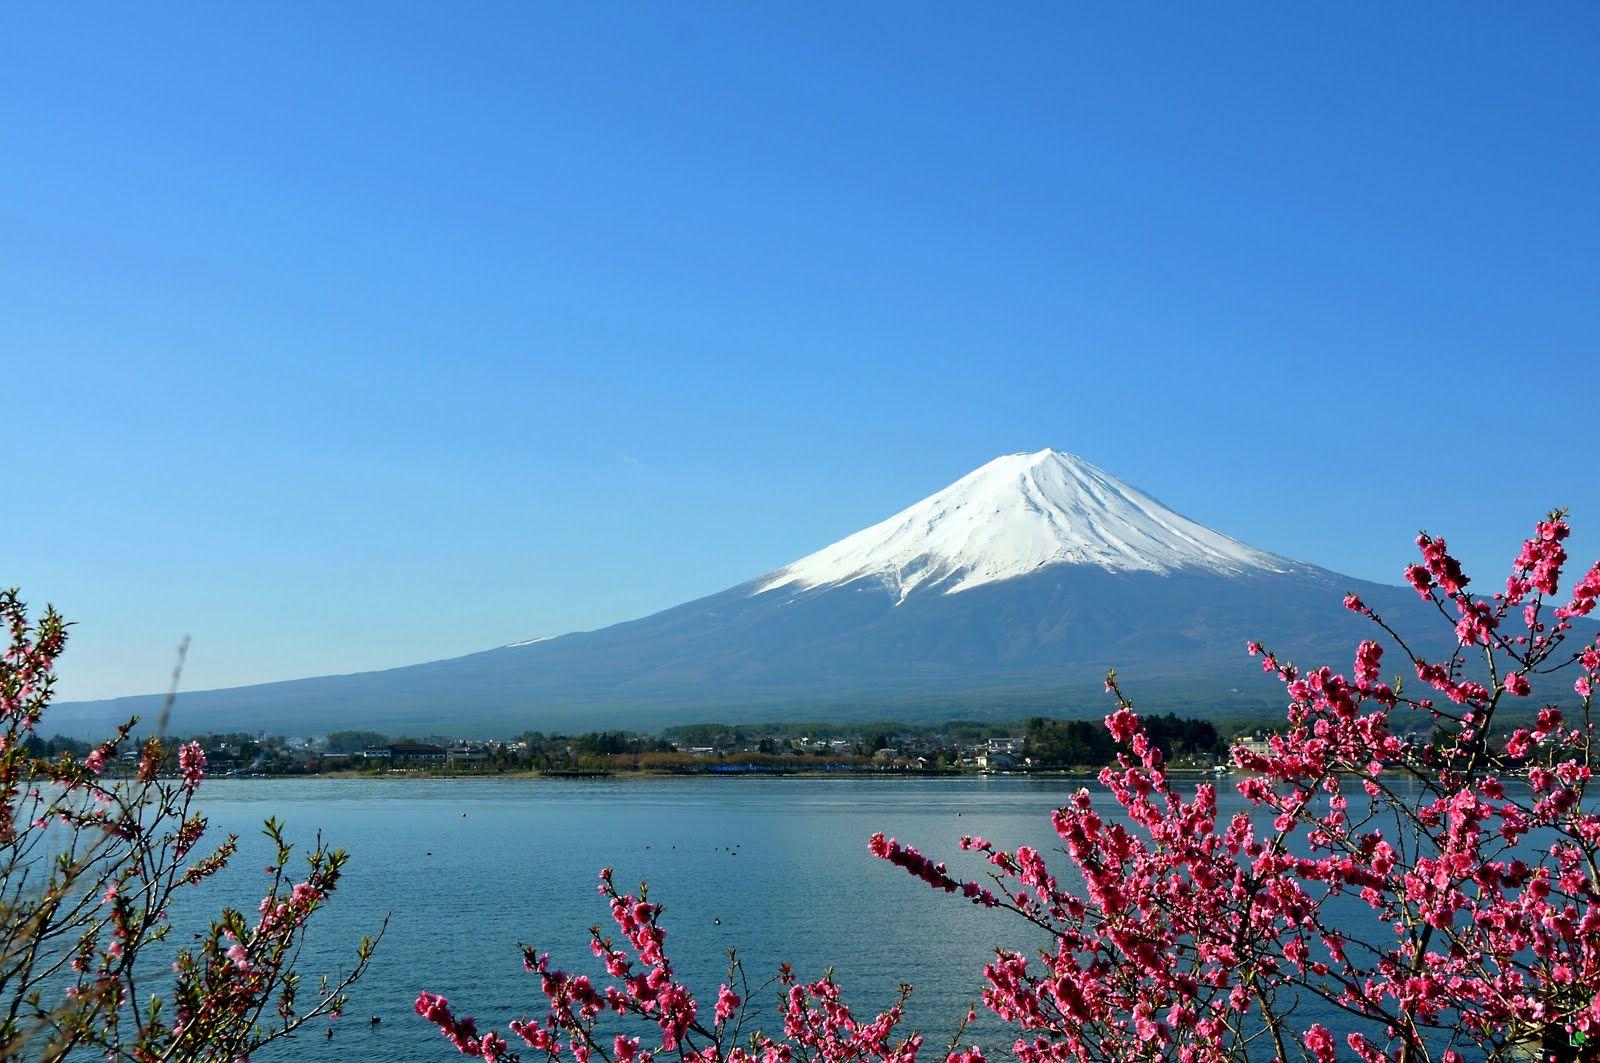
[221, 764]
[416, 753]
[1257, 743]
[1000, 761]
[1005, 745]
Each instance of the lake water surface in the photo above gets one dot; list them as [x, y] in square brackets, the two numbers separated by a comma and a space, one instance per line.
[777, 867]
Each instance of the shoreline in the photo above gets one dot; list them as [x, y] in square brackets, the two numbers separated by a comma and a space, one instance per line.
[601, 776]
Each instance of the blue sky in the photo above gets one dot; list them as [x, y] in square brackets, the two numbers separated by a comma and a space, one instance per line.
[345, 336]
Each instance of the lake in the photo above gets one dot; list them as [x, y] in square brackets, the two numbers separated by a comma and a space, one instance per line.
[777, 867]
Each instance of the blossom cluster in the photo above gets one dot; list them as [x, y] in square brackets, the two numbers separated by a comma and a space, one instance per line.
[641, 1012]
[1467, 839]
[70, 974]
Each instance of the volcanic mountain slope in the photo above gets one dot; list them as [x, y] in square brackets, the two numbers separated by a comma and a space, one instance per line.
[1010, 591]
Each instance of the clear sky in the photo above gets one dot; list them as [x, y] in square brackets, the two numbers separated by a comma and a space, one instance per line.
[344, 336]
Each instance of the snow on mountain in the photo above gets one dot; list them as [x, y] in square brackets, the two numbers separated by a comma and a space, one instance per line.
[1014, 516]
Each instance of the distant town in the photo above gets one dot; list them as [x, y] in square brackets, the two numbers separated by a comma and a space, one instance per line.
[954, 747]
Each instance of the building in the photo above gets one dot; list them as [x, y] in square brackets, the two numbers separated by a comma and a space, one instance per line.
[406, 753]
[1001, 761]
[1255, 743]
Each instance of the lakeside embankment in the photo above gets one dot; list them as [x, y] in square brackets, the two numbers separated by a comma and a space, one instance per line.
[951, 748]
[401, 774]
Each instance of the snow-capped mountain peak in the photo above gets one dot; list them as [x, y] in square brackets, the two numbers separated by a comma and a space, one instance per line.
[1014, 516]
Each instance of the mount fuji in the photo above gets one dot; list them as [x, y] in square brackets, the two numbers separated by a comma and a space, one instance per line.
[1013, 517]
[1009, 592]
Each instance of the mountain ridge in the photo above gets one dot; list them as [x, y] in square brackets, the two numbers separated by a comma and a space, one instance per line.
[1014, 587]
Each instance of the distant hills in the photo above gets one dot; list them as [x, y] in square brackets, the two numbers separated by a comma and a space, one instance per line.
[1011, 591]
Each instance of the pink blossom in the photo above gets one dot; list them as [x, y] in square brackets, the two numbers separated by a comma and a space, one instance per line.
[191, 764]
[1122, 724]
[727, 1004]
[1584, 595]
[1319, 1042]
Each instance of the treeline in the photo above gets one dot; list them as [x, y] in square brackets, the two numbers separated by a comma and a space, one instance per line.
[1051, 743]
[629, 751]
[591, 744]
[355, 741]
[708, 734]
[225, 753]
[54, 746]
[538, 743]
[598, 752]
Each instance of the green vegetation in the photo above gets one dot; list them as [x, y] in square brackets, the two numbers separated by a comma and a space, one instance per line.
[354, 741]
[1080, 743]
[1038, 743]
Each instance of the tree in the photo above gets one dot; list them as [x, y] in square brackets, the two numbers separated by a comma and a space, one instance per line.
[1067, 743]
[1175, 735]
[91, 868]
[354, 741]
[1179, 935]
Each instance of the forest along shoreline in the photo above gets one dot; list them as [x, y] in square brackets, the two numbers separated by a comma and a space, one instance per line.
[1035, 745]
